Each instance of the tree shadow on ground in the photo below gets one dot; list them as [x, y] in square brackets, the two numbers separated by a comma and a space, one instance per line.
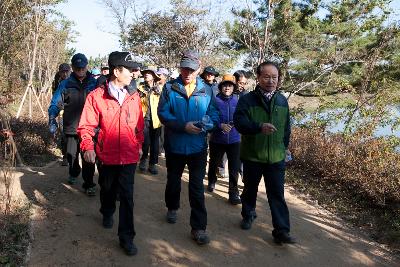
[68, 231]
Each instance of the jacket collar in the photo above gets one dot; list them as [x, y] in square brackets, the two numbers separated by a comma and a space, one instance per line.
[131, 88]
[261, 98]
[178, 86]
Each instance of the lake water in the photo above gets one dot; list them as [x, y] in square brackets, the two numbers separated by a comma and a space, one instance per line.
[380, 131]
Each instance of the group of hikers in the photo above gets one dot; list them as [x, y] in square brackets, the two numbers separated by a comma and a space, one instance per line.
[116, 120]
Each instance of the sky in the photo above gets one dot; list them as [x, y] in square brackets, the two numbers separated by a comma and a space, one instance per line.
[94, 24]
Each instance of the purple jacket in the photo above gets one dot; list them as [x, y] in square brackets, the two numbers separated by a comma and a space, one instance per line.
[226, 106]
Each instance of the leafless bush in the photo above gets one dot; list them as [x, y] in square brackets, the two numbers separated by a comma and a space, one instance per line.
[369, 167]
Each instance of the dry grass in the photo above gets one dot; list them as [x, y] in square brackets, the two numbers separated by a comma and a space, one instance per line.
[358, 179]
[14, 236]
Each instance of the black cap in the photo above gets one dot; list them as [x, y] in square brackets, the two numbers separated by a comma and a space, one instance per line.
[64, 67]
[124, 59]
[79, 60]
[211, 70]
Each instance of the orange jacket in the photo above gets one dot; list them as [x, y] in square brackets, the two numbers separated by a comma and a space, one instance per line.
[120, 128]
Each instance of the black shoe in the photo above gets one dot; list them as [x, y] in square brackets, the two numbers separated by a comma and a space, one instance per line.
[211, 187]
[108, 222]
[91, 191]
[246, 223]
[200, 236]
[142, 165]
[129, 247]
[153, 169]
[234, 199]
[284, 238]
[172, 216]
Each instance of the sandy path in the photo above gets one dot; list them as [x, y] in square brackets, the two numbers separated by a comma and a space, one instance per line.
[67, 230]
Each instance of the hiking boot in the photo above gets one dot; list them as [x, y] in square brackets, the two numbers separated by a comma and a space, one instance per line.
[153, 169]
[108, 222]
[172, 216]
[142, 165]
[211, 187]
[91, 191]
[221, 173]
[71, 180]
[128, 246]
[234, 199]
[283, 238]
[253, 213]
[246, 223]
[200, 237]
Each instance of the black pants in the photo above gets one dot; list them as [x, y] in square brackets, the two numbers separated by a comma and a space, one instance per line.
[73, 162]
[217, 152]
[274, 178]
[63, 145]
[151, 142]
[197, 170]
[119, 179]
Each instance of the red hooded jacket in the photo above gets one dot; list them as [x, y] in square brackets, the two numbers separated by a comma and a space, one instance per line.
[120, 127]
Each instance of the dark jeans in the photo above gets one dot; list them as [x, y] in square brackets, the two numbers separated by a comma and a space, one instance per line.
[151, 142]
[119, 179]
[217, 152]
[73, 162]
[274, 178]
[197, 170]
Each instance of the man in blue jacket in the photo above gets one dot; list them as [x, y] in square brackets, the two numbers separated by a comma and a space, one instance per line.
[70, 96]
[183, 104]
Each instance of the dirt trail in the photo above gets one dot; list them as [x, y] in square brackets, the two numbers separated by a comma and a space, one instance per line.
[67, 230]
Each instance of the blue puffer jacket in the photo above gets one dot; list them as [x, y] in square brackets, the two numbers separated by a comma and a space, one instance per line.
[227, 106]
[214, 87]
[70, 96]
[175, 109]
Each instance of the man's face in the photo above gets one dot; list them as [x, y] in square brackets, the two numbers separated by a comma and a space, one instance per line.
[105, 71]
[268, 78]
[163, 79]
[227, 89]
[189, 75]
[124, 76]
[136, 73]
[64, 74]
[209, 77]
[80, 72]
[148, 77]
[242, 83]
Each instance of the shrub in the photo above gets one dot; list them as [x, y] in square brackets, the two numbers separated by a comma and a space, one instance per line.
[370, 167]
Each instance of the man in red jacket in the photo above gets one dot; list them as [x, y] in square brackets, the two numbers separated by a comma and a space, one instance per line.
[113, 115]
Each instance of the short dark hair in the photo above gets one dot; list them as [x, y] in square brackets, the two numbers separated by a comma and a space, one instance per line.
[239, 74]
[269, 63]
[120, 68]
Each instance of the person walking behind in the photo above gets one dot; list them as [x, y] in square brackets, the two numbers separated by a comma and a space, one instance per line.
[115, 109]
[71, 96]
[262, 117]
[163, 73]
[184, 103]
[149, 92]
[241, 81]
[209, 74]
[64, 70]
[225, 139]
